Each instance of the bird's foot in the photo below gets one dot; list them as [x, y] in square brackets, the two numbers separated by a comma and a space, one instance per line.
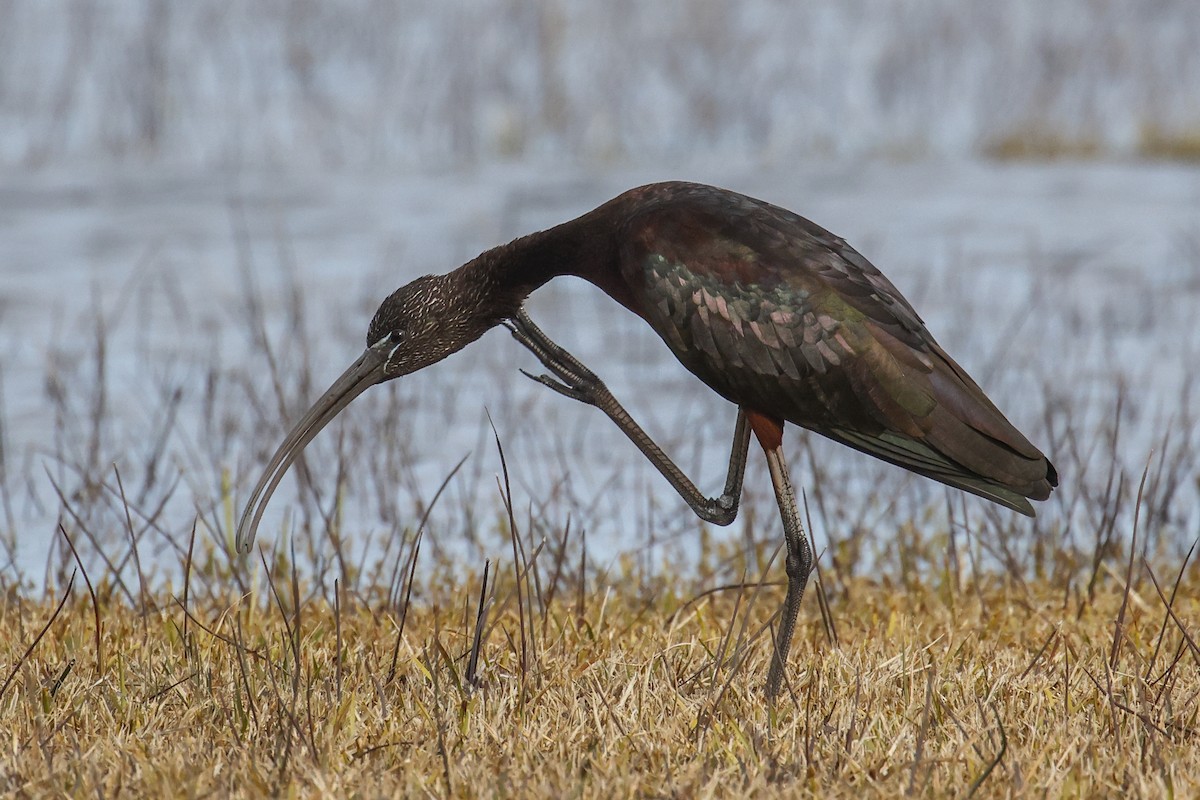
[570, 377]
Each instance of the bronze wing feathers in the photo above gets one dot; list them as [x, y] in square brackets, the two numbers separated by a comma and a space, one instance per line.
[780, 316]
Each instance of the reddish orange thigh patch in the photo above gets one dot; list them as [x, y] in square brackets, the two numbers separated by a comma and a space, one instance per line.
[769, 430]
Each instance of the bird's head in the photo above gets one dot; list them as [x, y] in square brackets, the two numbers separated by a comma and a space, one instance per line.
[418, 325]
[425, 321]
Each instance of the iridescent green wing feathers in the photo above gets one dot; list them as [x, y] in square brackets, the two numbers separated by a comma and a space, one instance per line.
[782, 317]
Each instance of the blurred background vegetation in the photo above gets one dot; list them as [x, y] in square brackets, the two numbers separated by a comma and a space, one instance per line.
[442, 84]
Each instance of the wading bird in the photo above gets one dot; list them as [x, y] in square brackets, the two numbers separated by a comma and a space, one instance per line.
[775, 314]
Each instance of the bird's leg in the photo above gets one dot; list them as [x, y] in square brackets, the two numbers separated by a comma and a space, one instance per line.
[799, 555]
[574, 380]
[799, 564]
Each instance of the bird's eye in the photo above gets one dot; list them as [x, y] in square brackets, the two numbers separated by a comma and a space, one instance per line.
[395, 337]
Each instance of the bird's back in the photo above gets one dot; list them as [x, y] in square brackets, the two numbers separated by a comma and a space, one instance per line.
[780, 316]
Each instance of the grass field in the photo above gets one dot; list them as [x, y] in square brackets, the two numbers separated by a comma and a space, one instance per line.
[625, 686]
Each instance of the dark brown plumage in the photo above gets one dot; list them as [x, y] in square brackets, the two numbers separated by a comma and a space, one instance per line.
[782, 317]
[776, 314]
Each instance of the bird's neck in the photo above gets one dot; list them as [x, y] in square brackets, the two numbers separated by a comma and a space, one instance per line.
[507, 274]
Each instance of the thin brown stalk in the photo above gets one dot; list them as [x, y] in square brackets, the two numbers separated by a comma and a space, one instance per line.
[32, 645]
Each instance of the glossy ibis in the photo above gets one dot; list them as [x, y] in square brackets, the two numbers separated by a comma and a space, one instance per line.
[777, 315]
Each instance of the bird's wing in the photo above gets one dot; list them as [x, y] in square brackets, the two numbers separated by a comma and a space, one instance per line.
[783, 317]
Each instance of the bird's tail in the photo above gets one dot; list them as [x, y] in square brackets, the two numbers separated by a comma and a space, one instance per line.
[922, 459]
[966, 443]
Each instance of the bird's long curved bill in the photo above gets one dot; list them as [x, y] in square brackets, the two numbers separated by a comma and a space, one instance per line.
[362, 374]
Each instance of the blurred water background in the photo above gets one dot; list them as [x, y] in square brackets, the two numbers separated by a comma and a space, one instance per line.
[185, 186]
[420, 84]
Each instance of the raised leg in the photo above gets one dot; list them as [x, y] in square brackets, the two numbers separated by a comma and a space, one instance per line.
[574, 380]
[799, 564]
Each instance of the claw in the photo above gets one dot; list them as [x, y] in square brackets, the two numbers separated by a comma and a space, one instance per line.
[545, 380]
[562, 388]
[570, 377]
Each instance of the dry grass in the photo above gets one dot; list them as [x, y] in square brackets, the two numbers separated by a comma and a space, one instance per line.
[1180, 145]
[1043, 145]
[632, 688]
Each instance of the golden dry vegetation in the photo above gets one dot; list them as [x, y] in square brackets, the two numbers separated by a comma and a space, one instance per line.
[628, 687]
